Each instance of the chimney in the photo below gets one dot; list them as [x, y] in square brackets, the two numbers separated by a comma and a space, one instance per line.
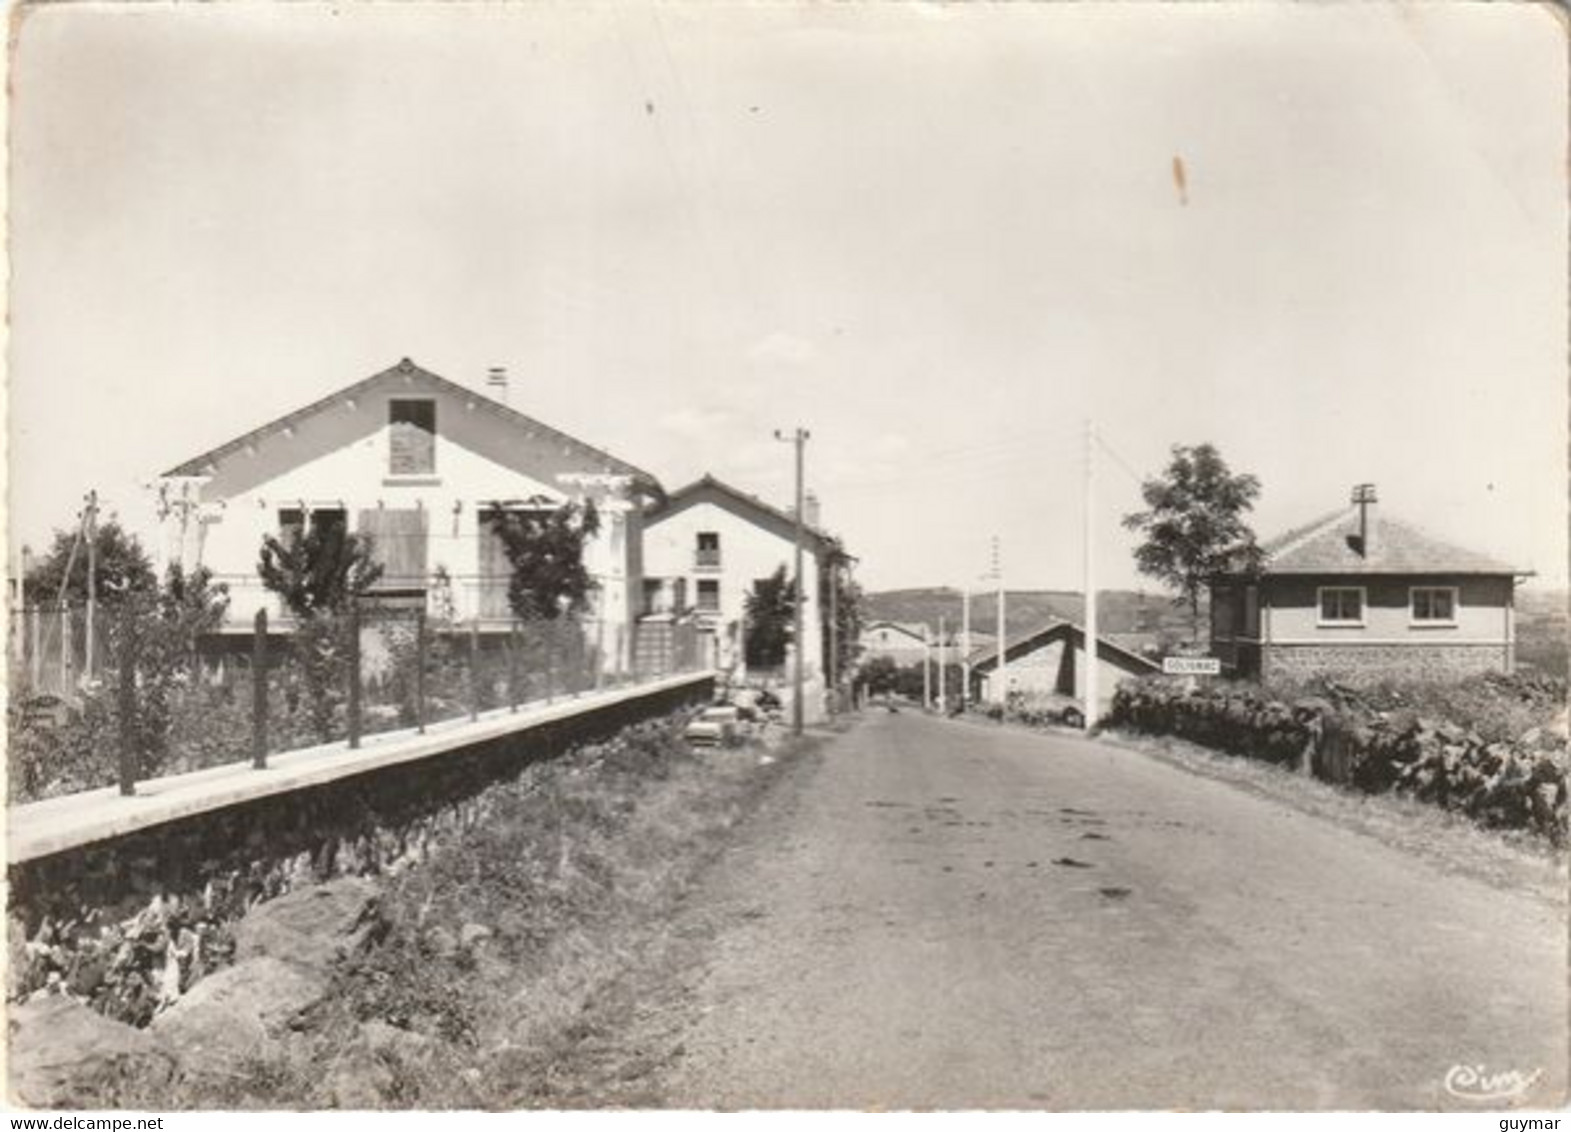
[496, 383]
[1368, 519]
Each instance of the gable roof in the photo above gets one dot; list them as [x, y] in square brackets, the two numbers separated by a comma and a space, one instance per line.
[912, 629]
[404, 374]
[1022, 644]
[1330, 545]
[708, 489]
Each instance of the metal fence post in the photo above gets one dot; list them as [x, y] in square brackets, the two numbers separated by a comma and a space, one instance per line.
[550, 660]
[512, 665]
[474, 670]
[420, 671]
[354, 675]
[125, 703]
[259, 691]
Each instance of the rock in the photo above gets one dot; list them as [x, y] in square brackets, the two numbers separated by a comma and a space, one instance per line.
[64, 1054]
[359, 1079]
[441, 943]
[383, 1038]
[313, 927]
[239, 1010]
[471, 936]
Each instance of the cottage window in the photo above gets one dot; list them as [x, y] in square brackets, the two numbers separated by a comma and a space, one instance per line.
[412, 437]
[708, 548]
[709, 595]
[1434, 605]
[1341, 605]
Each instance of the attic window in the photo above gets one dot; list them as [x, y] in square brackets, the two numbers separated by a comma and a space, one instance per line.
[412, 436]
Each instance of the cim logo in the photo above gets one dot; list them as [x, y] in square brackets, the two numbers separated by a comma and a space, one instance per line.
[1476, 1083]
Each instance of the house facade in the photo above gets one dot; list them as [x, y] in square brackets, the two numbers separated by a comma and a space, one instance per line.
[1051, 660]
[1359, 595]
[413, 462]
[706, 545]
[905, 644]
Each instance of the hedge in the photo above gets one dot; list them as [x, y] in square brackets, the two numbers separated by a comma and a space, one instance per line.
[1505, 784]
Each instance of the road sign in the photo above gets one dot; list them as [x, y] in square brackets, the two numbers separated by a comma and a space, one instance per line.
[1191, 666]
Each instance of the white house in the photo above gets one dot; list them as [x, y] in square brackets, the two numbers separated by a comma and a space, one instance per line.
[1051, 660]
[413, 461]
[704, 548]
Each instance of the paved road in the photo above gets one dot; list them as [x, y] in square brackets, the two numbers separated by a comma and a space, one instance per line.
[946, 915]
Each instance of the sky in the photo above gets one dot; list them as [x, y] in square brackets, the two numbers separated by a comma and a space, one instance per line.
[1330, 239]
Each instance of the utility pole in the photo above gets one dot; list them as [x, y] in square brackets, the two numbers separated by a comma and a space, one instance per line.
[1090, 583]
[943, 678]
[965, 648]
[799, 438]
[927, 667]
[834, 632]
[1003, 636]
[90, 518]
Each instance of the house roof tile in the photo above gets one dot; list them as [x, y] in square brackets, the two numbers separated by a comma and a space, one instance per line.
[404, 371]
[1330, 545]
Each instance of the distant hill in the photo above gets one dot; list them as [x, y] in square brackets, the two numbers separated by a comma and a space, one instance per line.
[1541, 626]
[1118, 611]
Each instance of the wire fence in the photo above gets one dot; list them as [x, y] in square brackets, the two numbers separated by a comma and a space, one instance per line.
[151, 705]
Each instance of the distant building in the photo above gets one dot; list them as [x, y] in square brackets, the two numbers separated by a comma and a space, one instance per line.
[1359, 595]
[412, 462]
[706, 545]
[903, 642]
[1051, 660]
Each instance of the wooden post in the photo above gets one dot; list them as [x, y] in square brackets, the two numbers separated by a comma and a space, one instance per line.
[599, 650]
[474, 669]
[550, 661]
[420, 646]
[125, 703]
[91, 641]
[353, 711]
[512, 665]
[259, 691]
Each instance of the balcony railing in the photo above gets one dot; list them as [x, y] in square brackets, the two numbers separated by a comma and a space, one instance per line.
[706, 558]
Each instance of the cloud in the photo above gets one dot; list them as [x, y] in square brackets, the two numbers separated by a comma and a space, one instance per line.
[694, 422]
[782, 349]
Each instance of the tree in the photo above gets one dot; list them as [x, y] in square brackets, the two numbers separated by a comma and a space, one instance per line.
[317, 570]
[880, 675]
[771, 612]
[847, 610]
[1194, 524]
[316, 573]
[546, 553]
[120, 568]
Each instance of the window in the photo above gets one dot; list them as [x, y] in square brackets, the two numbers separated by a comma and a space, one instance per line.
[1341, 605]
[1433, 605]
[412, 437]
[708, 548]
[709, 595]
[291, 520]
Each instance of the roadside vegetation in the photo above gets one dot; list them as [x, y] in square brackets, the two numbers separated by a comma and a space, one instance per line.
[502, 975]
[1491, 748]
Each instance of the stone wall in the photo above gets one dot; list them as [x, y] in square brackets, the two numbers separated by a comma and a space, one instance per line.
[172, 887]
[1363, 663]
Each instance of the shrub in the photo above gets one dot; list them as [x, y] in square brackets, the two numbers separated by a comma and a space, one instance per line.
[1510, 783]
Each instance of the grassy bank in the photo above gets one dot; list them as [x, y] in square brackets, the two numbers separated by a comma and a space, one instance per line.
[509, 948]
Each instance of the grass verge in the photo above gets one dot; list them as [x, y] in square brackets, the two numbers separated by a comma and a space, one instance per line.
[506, 969]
